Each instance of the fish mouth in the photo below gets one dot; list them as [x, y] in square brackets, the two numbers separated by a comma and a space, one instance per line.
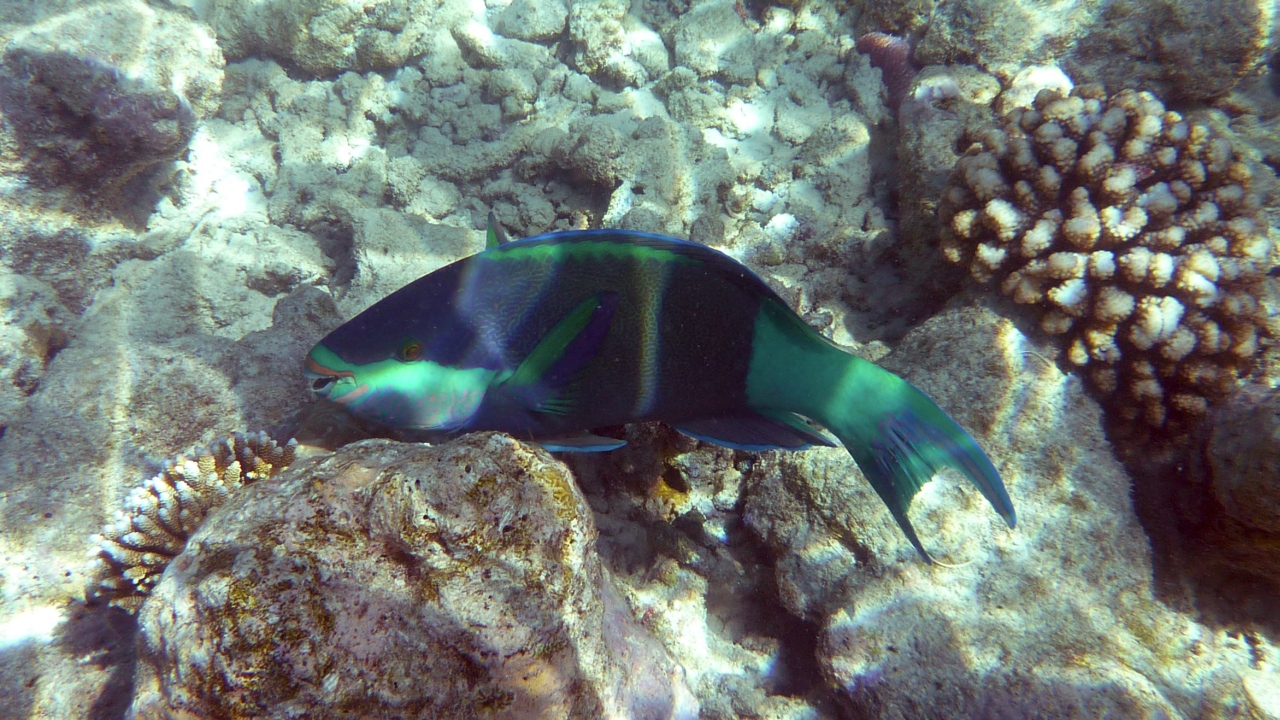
[324, 381]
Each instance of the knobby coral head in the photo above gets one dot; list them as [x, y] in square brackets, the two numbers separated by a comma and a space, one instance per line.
[1133, 229]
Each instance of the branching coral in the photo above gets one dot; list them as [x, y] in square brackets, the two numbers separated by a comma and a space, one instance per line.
[1135, 231]
[160, 515]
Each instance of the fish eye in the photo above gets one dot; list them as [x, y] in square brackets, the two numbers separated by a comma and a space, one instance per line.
[411, 351]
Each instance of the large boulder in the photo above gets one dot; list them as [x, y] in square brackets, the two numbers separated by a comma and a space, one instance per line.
[407, 581]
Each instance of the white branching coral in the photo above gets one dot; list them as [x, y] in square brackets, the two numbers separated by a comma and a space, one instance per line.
[161, 514]
[1135, 230]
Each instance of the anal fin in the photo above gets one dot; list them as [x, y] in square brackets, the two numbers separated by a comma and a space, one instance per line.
[756, 432]
[581, 442]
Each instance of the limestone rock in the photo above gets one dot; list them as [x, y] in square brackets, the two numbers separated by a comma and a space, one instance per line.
[1227, 511]
[533, 20]
[156, 47]
[999, 35]
[1193, 50]
[713, 40]
[31, 333]
[1186, 50]
[1244, 454]
[399, 580]
[612, 46]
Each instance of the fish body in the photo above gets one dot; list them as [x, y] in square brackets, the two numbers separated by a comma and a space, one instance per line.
[548, 337]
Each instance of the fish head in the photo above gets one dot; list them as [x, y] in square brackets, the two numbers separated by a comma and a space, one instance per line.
[409, 360]
[405, 390]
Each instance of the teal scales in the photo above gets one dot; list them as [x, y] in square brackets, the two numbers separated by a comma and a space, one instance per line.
[549, 337]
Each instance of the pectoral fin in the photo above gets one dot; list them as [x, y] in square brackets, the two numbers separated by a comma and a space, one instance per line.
[542, 380]
[581, 442]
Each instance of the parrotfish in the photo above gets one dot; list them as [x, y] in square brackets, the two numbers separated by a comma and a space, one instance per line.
[549, 337]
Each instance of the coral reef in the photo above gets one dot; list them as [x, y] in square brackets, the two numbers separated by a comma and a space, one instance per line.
[1188, 50]
[326, 38]
[402, 580]
[160, 516]
[358, 146]
[1133, 228]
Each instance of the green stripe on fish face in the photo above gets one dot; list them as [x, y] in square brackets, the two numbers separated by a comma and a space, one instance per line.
[416, 394]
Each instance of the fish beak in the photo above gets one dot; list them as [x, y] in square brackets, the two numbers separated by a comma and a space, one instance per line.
[324, 380]
[322, 385]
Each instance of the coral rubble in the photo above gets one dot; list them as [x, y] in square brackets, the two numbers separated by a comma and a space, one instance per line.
[1134, 229]
[160, 515]
[403, 580]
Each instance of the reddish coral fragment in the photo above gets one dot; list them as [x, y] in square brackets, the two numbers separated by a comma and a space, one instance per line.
[892, 55]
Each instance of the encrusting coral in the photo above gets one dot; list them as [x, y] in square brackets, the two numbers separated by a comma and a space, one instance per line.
[1135, 230]
[160, 515]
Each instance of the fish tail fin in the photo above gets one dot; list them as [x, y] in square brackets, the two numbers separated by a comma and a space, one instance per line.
[898, 436]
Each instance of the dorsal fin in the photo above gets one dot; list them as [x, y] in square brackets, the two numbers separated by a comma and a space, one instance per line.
[496, 235]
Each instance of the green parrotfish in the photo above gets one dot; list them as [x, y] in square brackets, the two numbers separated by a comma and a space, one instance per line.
[548, 337]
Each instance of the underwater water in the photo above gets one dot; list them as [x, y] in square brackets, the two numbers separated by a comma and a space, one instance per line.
[1056, 220]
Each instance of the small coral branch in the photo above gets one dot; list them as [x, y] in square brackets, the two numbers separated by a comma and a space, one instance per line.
[161, 515]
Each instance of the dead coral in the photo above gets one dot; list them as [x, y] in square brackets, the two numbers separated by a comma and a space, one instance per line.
[160, 516]
[1135, 230]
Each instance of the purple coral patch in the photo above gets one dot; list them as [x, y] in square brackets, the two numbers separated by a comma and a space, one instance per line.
[892, 55]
